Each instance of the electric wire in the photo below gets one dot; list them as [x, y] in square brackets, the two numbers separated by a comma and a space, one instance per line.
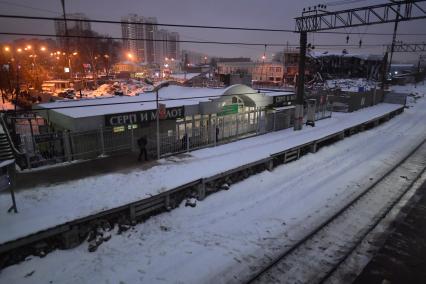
[193, 26]
[181, 41]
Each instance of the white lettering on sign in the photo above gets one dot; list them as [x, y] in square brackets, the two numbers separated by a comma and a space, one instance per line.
[123, 119]
[143, 116]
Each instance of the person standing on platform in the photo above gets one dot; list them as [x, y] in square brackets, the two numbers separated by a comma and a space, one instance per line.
[142, 148]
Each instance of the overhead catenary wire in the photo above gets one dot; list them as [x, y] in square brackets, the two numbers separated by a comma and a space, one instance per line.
[28, 7]
[193, 26]
[181, 41]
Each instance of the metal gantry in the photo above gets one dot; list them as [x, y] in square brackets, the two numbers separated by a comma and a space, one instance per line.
[319, 19]
[407, 47]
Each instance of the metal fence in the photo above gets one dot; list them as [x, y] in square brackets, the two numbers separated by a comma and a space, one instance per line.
[57, 147]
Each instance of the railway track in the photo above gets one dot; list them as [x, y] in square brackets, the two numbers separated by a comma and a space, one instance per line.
[73, 233]
[315, 258]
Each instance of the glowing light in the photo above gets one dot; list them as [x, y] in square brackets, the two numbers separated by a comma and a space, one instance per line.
[6, 48]
[29, 46]
[43, 48]
[19, 50]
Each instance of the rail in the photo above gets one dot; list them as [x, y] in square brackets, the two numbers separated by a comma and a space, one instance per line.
[73, 233]
[339, 213]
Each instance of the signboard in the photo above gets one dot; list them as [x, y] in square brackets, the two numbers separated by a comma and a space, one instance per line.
[280, 101]
[143, 116]
[47, 137]
[228, 109]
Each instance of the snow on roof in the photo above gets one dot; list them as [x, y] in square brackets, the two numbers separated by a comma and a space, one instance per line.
[365, 56]
[122, 104]
[186, 76]
[277, 93]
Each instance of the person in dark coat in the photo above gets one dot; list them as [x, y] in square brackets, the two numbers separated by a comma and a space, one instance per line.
[142, 148]
[217, 133]
[184, 140]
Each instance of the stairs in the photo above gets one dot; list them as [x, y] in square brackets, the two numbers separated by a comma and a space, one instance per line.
[6, 152]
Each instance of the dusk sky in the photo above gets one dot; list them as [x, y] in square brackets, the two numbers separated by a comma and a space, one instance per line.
[241, 13]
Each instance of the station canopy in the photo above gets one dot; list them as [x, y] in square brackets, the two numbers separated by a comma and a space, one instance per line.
[172, 96]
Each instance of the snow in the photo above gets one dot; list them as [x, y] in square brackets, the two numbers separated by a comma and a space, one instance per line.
[5, 163]
[277, 93]
[145, 101]
[186, 76]
[225, 237]
[171, 96]
[258, 217]
[351, 85]
[363, 56]
[84, 197]
[312, 260]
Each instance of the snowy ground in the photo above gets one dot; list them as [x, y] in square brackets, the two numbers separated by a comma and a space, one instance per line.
[44, 207]
[225, 237]
[316, 257]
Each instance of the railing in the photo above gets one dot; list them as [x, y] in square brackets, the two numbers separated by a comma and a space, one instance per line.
[58, 147]
[20, 157]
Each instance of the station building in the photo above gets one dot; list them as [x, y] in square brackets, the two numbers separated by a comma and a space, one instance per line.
[205, 115]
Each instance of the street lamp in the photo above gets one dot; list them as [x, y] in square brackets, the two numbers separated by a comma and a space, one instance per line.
[6, 48]
[157, 116]
[42, 48]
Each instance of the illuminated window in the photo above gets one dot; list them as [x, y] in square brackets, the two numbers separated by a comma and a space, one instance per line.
[118, 129]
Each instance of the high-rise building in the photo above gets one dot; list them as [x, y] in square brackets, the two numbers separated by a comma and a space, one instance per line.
[146, 42]
[150, 31]
[160, 46]
[76, 24]
[173, 49]
[133, 31]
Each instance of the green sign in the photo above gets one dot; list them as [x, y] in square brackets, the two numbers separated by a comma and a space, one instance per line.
[229, 109]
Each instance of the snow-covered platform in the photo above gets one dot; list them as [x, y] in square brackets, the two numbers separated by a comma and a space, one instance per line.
[46, 207]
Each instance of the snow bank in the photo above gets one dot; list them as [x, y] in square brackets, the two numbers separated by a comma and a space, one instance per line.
[45, 207]
[227, 236]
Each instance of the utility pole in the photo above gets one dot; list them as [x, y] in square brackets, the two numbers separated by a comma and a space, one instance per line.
[66, 39]
[319, 19]
[395, 28]
[298, 116]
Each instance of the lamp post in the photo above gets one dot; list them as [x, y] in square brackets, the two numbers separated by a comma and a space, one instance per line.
[157, 116]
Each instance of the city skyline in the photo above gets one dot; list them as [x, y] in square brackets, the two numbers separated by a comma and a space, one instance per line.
[269, 14]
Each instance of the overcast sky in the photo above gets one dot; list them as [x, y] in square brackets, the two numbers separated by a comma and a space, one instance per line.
[241, 13]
